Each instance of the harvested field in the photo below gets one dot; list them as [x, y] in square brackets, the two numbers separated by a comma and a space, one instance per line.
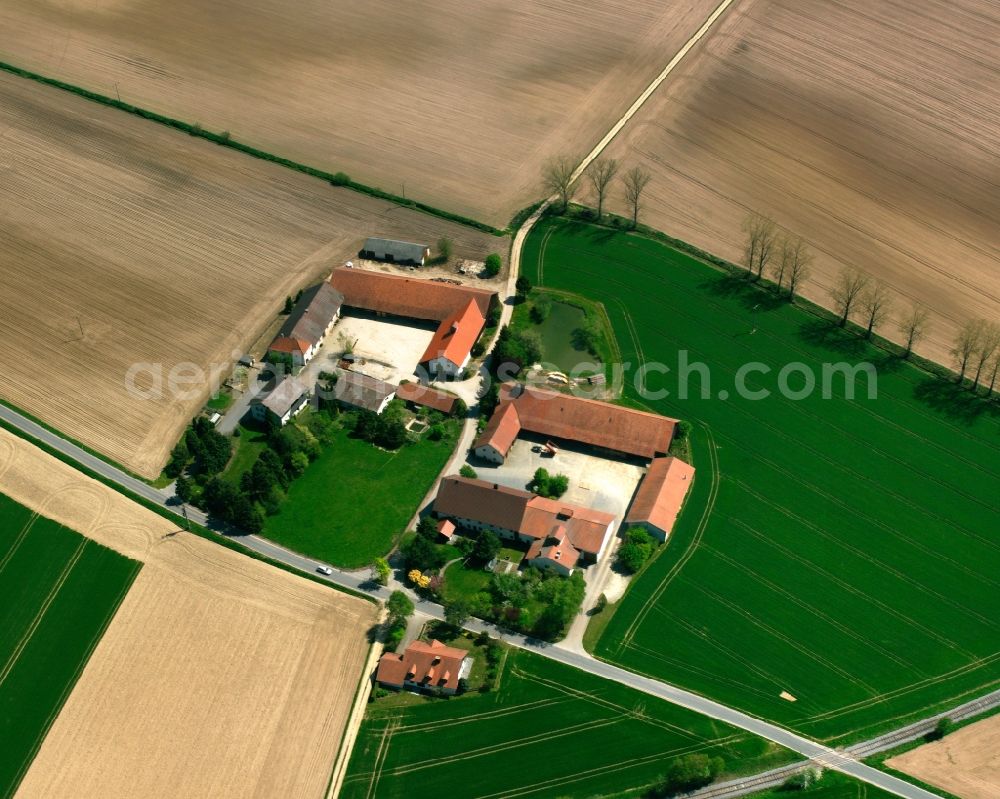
[219, 675]
[456, 104]
[869, 129]
[124, 242]
[965, 763]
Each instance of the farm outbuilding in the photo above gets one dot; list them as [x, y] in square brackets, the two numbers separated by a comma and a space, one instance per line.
[288, 399]
[395, 252]
[660, 496]
[362, 391]
[308, 324]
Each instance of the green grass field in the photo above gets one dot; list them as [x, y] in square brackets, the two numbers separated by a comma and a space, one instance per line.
[353, 502]
[548, 731]
[846, 552]
[831, 786]
[58, 592]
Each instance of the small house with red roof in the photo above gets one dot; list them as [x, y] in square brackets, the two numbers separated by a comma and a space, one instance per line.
[425, 666]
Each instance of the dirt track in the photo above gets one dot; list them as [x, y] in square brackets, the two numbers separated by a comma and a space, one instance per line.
[461, 102]
[965, 763]
[124, 242]
[219, 675]
[869, 129]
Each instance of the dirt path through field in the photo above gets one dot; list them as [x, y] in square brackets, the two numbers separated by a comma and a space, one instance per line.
[218, 676]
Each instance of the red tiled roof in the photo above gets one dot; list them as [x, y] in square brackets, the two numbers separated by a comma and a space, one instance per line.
[599, 424]
[428, 397]
[406, 296]
[446, 529]
[289, 345]
[521, 511]
[502, 429]
[556, 547]
[431, 664]
[661, 493]
[458, 332]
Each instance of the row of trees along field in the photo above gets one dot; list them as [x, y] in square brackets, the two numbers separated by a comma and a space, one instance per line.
[558, 180]
[868, 302]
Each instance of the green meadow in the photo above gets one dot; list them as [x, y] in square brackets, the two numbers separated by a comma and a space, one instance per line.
[843, 551]
[548, 730]
[58, 592]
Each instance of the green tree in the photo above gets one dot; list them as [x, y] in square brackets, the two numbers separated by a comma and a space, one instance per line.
[399, 606]
[691, 772]
[289, 305]
[179, 458]
[493, 264]
[421, 554]
[297, 463]
[457, 613]
[468, 471]
[381, 571]
[487, 546]
[522, 286]
[427, 528]
[541, 308]
[183, 489]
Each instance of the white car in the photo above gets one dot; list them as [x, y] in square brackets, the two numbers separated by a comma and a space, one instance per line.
[324, 570]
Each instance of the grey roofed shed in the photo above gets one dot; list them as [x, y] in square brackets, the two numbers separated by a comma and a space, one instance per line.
[397, 252]
[285, 396]
[318, 306]
[362, 391]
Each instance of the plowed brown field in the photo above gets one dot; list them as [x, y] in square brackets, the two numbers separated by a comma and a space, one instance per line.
[124, 242]
[218, 676]
[457, 102]
[871, 129]
[965, 763]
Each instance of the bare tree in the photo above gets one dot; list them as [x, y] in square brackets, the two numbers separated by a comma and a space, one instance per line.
[914, 326]
[989, 343]
[557, 178]
[966, 344]
[635, 180]
[601, 173]
[994, 371]
[792, 256]
[875, 300]
[761, 240]
[850, 284]
[799, 267]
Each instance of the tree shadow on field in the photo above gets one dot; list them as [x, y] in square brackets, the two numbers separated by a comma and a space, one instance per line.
[888, 363]
[824, 333]
[749, 294]
[953, 400]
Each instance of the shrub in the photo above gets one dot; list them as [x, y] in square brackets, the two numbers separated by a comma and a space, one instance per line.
[522, 286]
[468, 471]
[691, 772]
[636, 550]
[541, 309]
[478, 349]
[340, 179]
[493, 264]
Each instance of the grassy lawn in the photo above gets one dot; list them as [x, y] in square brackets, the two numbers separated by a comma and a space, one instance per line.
[548, 730]
[844, 551]
[461, 582]
[355, 500]
[220, 402]
[58, 592]
[250, 443]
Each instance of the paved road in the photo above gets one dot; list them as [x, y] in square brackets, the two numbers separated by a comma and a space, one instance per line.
[359, 581]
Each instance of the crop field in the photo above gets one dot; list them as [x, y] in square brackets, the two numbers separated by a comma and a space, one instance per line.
[842, 551]
[870, 129]
[219, 675]
[123, 242]
[58, 591]
[548, 731]
[355, 500]
[451, 103]
[964, 763]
